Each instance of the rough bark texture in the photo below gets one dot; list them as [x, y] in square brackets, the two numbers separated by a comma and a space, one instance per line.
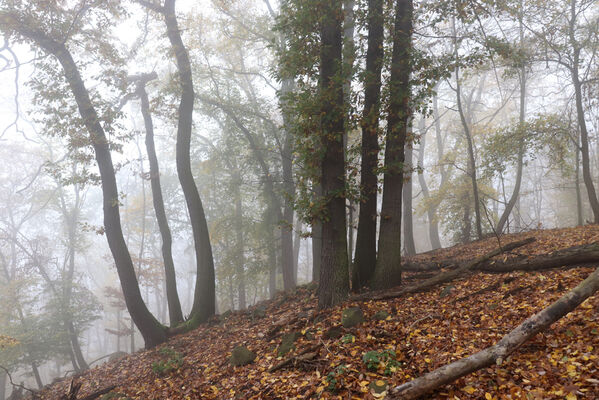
[152, 331]
[363, 267]
[497, 353]
[388, 263]
[174, 305]
[204, 303]
[443, 277]
[334, 278]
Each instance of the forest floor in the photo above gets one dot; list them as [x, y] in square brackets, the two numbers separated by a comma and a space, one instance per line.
[424, 331]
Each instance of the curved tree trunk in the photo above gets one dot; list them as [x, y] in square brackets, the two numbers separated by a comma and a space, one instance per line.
[152, 331]
[363, 270]
[388, 262]
[204, 303]
[174, 305]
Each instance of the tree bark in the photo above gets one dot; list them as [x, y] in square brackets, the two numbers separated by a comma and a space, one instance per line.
[204, 303]
[239, 242]
[408, 223]
[388, 263]
[497, 353]
[363, 270]
[152, 331]
[582, 125]
[334, 279]
[174, 305]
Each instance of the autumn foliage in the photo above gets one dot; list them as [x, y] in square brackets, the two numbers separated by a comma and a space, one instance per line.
[420, 333]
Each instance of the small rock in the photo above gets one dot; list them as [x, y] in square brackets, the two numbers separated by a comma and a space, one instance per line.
[378, 387]
[446, 291]
[381, 315]
[352, 317]
[333, 332]
[287, 343]
[241, 356]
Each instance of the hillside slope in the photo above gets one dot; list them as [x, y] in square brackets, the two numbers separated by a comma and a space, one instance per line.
[421, 332]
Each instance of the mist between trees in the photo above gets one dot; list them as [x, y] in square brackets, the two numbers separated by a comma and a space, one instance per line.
[162, 163]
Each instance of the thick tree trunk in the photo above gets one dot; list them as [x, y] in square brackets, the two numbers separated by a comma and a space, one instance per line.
[204, 303]
[497, 353]
[408, 223]
[388, 263]
[363, 270]
[152, 331]
[334, 278]
[174, 305]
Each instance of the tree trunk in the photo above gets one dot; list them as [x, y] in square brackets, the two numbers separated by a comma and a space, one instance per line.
[363, 270]
[296, 247]
[433, 224]
[204, 303]
[582, 125]
[3, 379]
[174, 306]
[152, 331]
[334, 278]
[522, 117]
[388, 262]
[497, 353]
[239, 239]
[579, 212]
[408, 224]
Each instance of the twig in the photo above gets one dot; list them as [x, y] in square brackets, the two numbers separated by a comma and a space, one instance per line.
[32, 391]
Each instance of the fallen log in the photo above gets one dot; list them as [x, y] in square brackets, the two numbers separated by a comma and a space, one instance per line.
[308, 354]
[442, 277]
[577, 255]
[497, 353]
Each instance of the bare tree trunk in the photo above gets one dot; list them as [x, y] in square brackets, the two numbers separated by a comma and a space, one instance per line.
[316, 241]
[522, 118]
[433, 224]
[579, 213]
[388, 262]
[334, 278]
[204, 303]
[174, 305]
[497, 353]
[240, 263]
[296, 247]
[152, 331]
[584, 135]
[408, 224]
[363, 270]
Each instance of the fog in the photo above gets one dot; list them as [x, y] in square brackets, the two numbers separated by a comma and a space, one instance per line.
[243, 199]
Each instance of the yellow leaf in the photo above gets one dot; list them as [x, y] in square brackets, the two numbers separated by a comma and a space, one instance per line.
[571, 396]
[428, 360]
[488, 396]
[469, 389]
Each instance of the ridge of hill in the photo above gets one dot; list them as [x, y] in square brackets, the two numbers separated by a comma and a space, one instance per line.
[400, 339]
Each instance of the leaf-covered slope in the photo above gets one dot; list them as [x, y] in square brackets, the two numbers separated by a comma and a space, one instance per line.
[421, 333]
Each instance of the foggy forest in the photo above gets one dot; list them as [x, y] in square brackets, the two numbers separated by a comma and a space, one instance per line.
[299, 199]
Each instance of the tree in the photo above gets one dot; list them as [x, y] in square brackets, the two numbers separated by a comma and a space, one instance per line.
[366, 236]
[388, 261]
[14, 23]
[334, 281]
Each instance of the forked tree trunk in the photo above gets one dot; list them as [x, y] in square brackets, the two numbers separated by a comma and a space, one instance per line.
[152, 331]
[174, 305]
[388, 262]
[334, 278]
[363, 270]
[204, 303]
[497, 353]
